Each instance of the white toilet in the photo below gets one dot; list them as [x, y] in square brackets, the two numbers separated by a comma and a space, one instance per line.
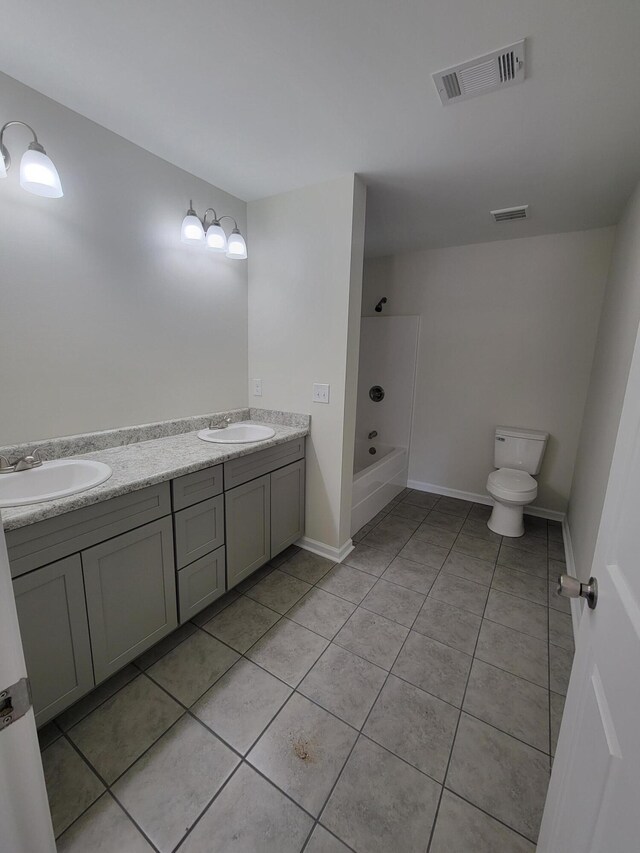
[518, 454]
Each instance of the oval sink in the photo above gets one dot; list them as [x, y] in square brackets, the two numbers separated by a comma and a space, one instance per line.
[237, 434]
[51, 480]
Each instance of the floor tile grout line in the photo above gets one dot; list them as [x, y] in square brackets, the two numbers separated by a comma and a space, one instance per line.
[455, 734]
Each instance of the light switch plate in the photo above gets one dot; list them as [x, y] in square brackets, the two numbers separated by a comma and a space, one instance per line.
[320, 393]
[256, 384]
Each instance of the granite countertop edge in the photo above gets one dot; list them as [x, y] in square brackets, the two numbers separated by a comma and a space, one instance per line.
[146, 463]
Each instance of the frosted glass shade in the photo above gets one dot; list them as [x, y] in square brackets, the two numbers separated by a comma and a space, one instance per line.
[216, 238]
[236, 247]
[38, 175]
[192, 230]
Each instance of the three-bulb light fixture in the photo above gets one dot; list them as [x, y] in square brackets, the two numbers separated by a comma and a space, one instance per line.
[38, 175]
[196, 231]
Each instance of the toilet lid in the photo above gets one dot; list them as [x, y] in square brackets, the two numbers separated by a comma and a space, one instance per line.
[511, 483]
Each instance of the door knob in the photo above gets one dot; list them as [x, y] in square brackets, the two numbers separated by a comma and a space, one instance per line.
[571, 587]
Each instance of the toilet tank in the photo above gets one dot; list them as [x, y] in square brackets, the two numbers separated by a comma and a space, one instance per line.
[520, 448]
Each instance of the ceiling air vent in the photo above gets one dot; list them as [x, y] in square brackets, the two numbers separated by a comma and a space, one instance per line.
[494, 71]
[507, 214]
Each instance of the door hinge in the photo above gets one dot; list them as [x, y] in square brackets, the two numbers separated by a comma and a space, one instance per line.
[15, 701]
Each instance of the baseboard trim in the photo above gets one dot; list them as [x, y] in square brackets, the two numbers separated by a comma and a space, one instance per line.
[576, 603]
[538, 511]
[335, 554]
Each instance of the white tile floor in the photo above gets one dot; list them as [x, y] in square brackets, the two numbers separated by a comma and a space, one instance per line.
[408, 699]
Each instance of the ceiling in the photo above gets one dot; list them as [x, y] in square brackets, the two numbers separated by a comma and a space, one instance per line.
[262, 97]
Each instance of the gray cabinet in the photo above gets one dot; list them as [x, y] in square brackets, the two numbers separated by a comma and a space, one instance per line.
[248, 528]
[199, 530]
[287, 506]
[200, 583]
[131, 594]
[55, 636]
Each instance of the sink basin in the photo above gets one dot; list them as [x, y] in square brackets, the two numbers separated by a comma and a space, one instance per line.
[237, 434]
[51, 480]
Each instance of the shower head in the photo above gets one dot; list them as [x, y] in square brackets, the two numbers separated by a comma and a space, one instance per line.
[382, 302]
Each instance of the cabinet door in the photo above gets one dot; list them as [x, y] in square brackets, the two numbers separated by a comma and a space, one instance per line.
[287, 506]
[248, 539]
[200, 583]
[199, 530]
[53, 625]
[131, 594]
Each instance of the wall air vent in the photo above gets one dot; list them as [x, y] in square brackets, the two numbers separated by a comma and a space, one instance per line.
[508, 214]
[494, 71]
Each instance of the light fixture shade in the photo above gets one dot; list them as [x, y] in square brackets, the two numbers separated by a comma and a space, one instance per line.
[38, 175]
[236, 247]
[192, 230]
[216, 238]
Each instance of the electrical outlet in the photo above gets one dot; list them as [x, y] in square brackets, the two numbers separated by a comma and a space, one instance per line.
[257, 387]
[320, 393]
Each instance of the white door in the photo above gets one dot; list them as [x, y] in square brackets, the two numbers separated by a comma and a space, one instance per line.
[25, 821]
[593, 804]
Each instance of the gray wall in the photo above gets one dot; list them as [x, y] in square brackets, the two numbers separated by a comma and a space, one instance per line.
[507, 336]
[107, 318]
[616, 339]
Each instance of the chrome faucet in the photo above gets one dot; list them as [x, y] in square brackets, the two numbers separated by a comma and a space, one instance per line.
[373, 434]
[24, 463]
[223, 425]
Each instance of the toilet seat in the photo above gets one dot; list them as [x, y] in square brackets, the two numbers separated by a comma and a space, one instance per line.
[512, 484]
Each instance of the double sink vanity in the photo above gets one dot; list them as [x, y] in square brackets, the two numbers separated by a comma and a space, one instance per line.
[105, 572]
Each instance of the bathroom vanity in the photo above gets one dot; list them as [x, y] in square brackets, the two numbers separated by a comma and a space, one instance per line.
[98, 585]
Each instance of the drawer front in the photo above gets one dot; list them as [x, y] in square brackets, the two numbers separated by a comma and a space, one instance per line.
[130, 585]
[196, 487]
[246, 468]
[200, 584]
[199, 530]
[46, 541]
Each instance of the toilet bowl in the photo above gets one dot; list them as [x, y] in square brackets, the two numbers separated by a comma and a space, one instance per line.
[511, 490]
[518, 455]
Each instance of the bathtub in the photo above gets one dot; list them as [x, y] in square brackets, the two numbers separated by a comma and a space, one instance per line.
[377, 478]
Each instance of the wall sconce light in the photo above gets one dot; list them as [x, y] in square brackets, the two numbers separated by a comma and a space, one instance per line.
[38, 175]
[196, 231]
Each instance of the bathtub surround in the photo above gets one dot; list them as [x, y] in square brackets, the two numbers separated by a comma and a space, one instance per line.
[388, 348]
[616, 340]
[113, 320]
[305, 281]
[507, 337]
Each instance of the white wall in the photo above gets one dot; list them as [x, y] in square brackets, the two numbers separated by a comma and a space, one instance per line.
[507, 337]
[616, 339]
[305, 279]
[107, 318]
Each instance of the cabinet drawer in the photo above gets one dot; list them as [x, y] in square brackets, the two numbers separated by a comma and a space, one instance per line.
[200, 584]
[130, 584]
[53, 625]
[41, 543]
[199, 530]
[196, 487]
[246, 468]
